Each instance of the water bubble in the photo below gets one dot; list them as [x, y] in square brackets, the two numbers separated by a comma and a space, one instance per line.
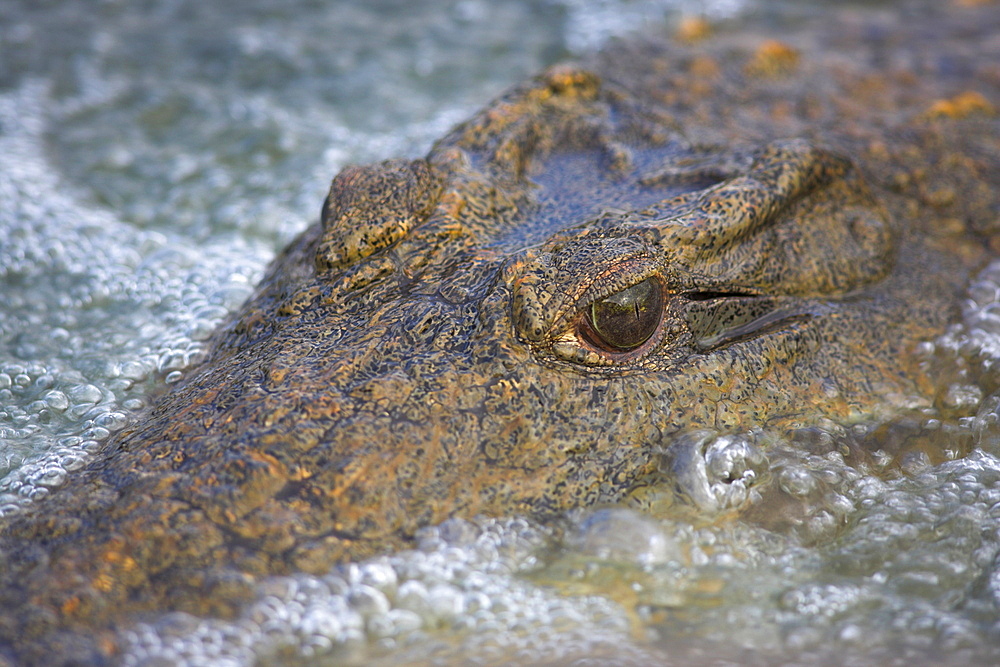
[983, 292]
[134, 370]
[90, 446]
[96, 433]
[623, 535]
[797, 481]
[72, 460]
[112, 421]
[171, 360]
[85, 394]
[44, 380]
[413, 596]
[380, 576]
[964, 397]
[51, 476]
[368, 601]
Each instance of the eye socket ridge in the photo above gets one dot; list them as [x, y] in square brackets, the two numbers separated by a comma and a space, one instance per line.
[622, 322]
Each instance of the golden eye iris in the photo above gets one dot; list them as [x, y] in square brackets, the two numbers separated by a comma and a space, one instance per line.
[625, 320]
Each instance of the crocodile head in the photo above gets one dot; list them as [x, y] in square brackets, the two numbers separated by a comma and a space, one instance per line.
[519, 323]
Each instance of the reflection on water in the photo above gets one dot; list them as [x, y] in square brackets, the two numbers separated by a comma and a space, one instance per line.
[154, 155]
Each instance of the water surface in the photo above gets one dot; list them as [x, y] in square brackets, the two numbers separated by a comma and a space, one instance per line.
[155, 154]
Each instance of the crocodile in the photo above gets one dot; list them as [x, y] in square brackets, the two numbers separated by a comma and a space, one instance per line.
[523, 321]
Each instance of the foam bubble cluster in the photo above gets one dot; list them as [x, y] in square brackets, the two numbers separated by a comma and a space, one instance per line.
[460, 594]
[96, 312]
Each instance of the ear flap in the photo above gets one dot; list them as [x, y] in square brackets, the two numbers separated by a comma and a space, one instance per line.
[368, 208]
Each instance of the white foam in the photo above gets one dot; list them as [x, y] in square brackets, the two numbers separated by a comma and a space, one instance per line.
[95, 310]
[459, 595]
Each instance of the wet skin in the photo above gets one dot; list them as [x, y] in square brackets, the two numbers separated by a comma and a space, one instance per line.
[518, 324]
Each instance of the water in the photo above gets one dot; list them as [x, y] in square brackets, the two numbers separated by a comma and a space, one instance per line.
[155, 154]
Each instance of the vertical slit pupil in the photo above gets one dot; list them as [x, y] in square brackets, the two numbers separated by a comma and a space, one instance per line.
[626, 319]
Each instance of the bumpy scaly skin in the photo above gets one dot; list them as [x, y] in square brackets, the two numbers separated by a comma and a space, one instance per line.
[422, 353]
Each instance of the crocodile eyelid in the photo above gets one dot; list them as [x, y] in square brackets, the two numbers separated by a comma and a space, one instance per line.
[555, 287]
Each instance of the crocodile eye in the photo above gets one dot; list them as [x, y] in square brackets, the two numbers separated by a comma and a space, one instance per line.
[625, 320]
